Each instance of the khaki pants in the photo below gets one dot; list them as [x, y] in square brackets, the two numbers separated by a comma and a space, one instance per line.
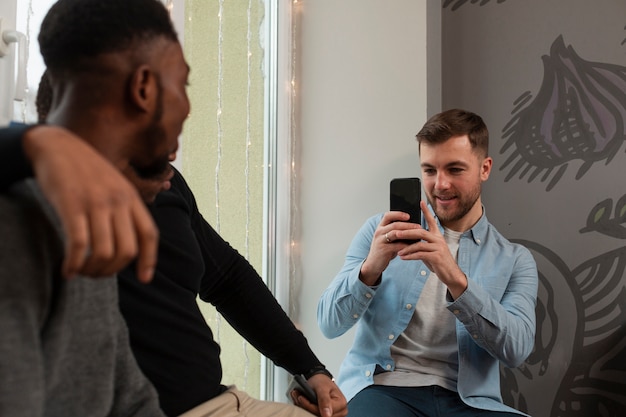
[235, 403]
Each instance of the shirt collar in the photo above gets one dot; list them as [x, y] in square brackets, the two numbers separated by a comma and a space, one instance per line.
[476, 233]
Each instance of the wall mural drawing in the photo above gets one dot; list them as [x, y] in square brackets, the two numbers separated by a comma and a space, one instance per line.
[578, 114]
[455, 4]
[578, 370]
[575, 121]
[578, 366]
[600, 220]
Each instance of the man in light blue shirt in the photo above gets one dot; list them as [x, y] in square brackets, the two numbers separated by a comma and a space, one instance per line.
[434, 317]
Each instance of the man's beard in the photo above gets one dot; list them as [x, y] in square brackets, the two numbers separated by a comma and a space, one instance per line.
[464, 205]
[157, 167]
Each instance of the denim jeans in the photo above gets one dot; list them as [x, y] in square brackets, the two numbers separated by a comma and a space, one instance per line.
[432, 401]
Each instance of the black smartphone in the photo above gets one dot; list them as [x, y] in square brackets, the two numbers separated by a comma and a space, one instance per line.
[299, 383]
[405, 195]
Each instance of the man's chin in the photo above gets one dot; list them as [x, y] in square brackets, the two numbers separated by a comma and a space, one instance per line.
[149, 189]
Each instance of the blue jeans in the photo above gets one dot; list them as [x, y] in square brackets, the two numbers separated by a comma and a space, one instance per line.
[432, 401]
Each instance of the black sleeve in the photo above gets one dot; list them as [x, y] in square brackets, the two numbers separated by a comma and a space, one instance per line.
[15, 166]
[240, 295]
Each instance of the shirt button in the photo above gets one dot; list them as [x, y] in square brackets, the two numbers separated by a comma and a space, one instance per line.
[388, 367]
[477, 240]
[390, 337]
[368, 373]
[456, 311]
[475, 336]
[422, 273]
[409, 306]
[355, 316]
[368, 295]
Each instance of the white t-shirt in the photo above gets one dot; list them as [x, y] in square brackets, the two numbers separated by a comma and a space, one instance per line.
[426, 353]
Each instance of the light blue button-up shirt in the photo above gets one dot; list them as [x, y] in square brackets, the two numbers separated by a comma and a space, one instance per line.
[495, 315]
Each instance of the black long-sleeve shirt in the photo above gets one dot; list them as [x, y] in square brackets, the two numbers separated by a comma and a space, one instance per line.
[14, 166]
[170, 338]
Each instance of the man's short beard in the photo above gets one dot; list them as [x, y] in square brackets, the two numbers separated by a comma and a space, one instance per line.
[153, 171]
[466, 205]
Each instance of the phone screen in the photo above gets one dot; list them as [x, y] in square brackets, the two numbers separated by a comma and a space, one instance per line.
[405, 195]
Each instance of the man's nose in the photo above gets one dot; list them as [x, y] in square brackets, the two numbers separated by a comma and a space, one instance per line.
[442, 181]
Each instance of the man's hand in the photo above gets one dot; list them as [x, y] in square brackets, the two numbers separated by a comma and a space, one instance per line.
[433, 250]
[330, 399]
[105, 222]
[385, 245]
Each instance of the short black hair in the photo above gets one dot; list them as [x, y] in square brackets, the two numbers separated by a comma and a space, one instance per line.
[74, 30]
[43, 101]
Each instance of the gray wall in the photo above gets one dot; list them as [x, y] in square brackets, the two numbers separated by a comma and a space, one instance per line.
[549, 78]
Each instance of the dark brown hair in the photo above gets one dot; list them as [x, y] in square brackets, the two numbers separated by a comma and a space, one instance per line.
[456, 122]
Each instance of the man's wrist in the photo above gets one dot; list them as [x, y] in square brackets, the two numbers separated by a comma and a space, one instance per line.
[321, 369]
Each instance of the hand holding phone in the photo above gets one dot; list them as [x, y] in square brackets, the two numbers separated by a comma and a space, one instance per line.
[300, 384]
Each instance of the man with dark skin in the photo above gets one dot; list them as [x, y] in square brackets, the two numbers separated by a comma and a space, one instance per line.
[183, 362]
[64, 346]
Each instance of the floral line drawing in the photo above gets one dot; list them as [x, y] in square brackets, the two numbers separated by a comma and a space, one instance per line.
[578, 114]
[600, 220]
[577, 368]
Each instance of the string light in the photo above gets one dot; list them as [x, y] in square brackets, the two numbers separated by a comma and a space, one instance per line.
[220, 132]
[293, 255]
[220, 143]
[248, 128]
[247, 165]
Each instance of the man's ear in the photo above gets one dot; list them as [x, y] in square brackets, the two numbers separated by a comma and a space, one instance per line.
[143, 89]
[485, 168]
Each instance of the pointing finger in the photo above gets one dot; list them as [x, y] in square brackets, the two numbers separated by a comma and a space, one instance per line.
[428, 216]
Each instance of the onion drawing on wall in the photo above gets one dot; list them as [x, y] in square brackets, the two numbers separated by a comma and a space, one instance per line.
[578, 364]
[455, 4]
[577, 115]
